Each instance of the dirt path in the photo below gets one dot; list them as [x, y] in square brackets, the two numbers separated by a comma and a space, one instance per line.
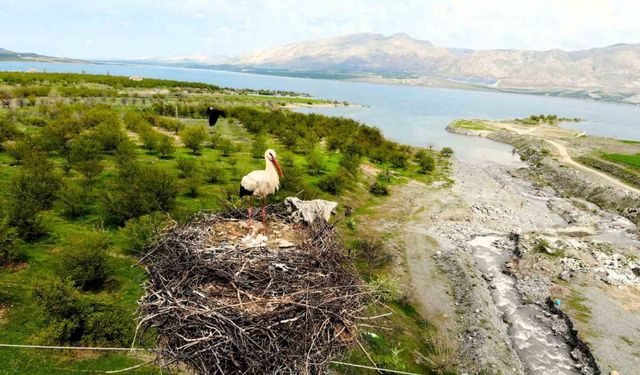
[566, 158]
[563, 153]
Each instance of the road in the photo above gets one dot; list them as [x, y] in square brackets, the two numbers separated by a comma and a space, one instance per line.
[566, 158]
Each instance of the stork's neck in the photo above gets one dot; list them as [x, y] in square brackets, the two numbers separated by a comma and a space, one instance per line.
[270, 169]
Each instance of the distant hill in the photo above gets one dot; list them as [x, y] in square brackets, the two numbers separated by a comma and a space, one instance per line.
[610, 71]
[6, 55]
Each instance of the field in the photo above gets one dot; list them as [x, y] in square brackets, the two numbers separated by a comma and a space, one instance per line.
[630, 160]
[93, 167]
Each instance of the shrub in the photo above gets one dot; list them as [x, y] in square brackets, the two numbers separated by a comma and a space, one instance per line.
[398, 160]
[315, 162]
[74, 318]
[446, 152]
[226, 146]
[168, 123]
[142, 231]
[387, 288]
[73, 200]
[139, 189]
[106, 322]
[87, 265]
[258, 147]
[126, 152]
[377, 188]
[135, 120]
[109, 134]
[165, 146]
[333, 183]
[11, 250]
[193, 137]
[25, 217]
[426, 164]
[350, 164]
[372, 251]
[60, 302]
[193, 184]
[149, 137]
[213, 174]
[85, 156]
[187, 167]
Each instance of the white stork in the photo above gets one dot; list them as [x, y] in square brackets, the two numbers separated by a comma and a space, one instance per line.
[262, 182]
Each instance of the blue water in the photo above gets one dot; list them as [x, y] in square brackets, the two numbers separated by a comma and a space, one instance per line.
[407, 114]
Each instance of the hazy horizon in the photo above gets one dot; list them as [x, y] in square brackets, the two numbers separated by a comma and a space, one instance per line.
[148, 29]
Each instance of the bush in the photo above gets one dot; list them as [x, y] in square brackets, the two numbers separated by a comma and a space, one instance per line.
[187, 167]
[25, 217]
[142, 231]
[258, 147]
[426, 164]
[73, 200]
[315, 162]
[372, 251]
[446, 152]
[60, 302]
[135, 121]
[139, 189]
[149, 138]
[213, 174]
[74, 318]
[193, 184]
[334, 182]
[109, 134]
[165, 147]
[168, 123]
[85, 156]
[226, 146]
[378, 188]
[126, 152]
[193, 137]
[11, 250]
[387, 288]
[87, 265]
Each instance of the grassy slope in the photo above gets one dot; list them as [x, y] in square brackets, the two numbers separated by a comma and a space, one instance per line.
[21, 321]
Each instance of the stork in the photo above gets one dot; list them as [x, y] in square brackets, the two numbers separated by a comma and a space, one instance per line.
[261, 183]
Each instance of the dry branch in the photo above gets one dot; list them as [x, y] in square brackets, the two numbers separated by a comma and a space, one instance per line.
[220, 309]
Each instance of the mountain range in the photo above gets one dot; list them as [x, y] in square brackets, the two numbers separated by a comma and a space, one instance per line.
[612, 71]
[608, 73]
[6, 55]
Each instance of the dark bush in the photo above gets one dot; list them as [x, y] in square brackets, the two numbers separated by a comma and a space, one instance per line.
[446, 152]
[187, 167]
[61, 304]
[334, 182]
[139, 189]
[315, 162]
[87, 265]
[426, 164]
[73, 199]
[11, 250]
[142, 231]
[378, 188]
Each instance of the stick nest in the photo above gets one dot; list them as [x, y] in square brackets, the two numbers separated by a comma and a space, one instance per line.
[219, 308]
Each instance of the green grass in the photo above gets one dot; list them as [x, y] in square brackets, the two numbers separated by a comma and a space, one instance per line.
[581, 312]
[471, 125]
[23, 322]
[629, 141]
[632, 160]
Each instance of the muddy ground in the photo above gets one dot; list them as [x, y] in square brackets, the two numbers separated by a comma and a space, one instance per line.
[483, 257]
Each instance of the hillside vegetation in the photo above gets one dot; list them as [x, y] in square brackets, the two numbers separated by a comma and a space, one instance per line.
[92, 168]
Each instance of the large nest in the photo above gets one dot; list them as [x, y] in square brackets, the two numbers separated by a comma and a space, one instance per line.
[220, 307]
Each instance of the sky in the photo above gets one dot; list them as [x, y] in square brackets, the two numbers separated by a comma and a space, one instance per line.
[93, 29]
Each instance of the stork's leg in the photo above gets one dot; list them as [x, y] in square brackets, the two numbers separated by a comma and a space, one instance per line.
[264, 215]
[250, 210]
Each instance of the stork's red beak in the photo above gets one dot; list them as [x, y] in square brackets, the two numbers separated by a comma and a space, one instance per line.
[275, 164]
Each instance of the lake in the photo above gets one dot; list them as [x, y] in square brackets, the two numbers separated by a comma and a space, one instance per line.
[407, 114]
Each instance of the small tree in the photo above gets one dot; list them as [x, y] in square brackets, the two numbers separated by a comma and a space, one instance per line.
[187, 166]
[446, 152]
[150, 138]
[166, 147]
[426, 164]
[193, 137]
[225, 146]
[73, 199]
[85, 156]
[334, 182]
[213, 173]
[259, 146]
[126, 152]
[315, 162]
[87, 265]
[60, 302]
[141, 232]
[193, 184]
[10, 244]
